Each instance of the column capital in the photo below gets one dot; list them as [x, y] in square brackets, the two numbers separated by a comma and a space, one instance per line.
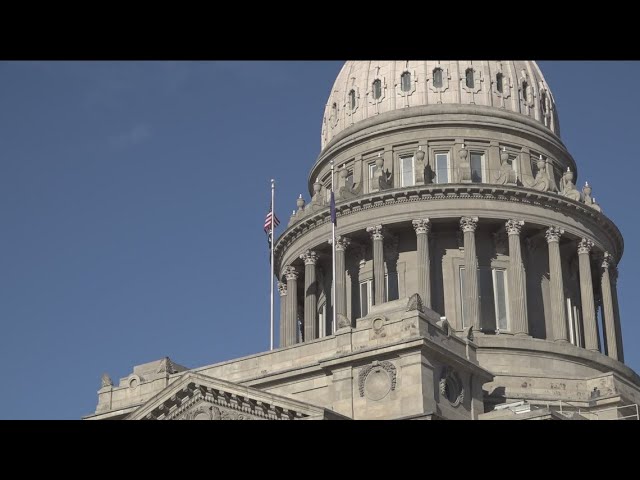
[282, 288]
[309, 257]
[584, 246]
[422, 225]
[607, 260]
[469, 224]
[553, 234]
[514, 227]
[376, 232]
[291, 273]
[342, 243]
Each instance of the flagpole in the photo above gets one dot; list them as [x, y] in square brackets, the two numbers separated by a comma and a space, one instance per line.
[273, 213]
[333, 260]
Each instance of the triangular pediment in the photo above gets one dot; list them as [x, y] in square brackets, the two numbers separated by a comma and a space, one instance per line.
[195, 396]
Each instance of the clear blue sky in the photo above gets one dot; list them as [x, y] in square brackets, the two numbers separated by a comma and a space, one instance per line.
[133, 195]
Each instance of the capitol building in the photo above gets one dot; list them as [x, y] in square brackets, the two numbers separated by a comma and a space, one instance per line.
[475, 274]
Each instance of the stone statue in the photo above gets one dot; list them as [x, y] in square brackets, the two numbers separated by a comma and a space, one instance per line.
[588, 199]
[318, 200]
[464, 167]
[106, 380]
[505, 175]
[347, 191]
[542, 182]
[377, 175]
[385, 182]
[567, 187]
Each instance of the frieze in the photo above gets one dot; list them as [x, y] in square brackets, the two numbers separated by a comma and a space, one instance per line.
[434, 192]
[199, 402]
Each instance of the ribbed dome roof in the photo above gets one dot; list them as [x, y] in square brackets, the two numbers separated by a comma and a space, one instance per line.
[365, 89]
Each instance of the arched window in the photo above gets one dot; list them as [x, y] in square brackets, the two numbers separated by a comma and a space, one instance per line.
[499, 86]
[525, 91]
[437, 77]
[352, 99]
[405, 82]
[543, 102]
[377, 89]
[469, 77]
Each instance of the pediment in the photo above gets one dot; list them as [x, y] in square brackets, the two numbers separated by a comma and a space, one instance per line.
[195, 396]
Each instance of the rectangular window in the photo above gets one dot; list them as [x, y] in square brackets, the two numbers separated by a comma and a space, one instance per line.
[534, 167]
[367, 293]
[407, 177]
[462, 290]
[572, 337]
[494, 302]
[513, 162]
[322, 321]
[326, 183]
[349, 180]
[477, 170]
[391, 287]
[373, 185]
[576, 318]
[500, 298]
[442, 168]
[366, 297]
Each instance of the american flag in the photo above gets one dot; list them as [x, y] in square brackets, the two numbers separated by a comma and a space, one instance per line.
[270, 218]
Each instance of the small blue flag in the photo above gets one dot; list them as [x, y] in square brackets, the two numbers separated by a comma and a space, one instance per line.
[332, 207]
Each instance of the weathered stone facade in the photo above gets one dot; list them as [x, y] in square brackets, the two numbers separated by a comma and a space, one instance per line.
[473, 276]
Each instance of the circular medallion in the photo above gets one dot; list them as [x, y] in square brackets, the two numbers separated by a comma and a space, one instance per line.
[378, 384]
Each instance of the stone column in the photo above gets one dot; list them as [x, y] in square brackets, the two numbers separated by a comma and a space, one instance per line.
[291, 318]
[589, 323]
[556, 286]
[607, 307]
[616, 311]
[341, 295]
[310, 259]
[282, 288]
[422, 227]
[471, 298]
[378, 263]
[517, 280]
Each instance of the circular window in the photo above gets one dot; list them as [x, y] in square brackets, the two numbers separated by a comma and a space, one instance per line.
[451, 387]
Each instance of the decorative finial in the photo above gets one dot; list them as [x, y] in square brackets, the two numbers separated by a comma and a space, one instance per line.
[419, 147]
[586, 184]
[463, 146]
[106, 380]
[568, 169]
[504, 149]
[317, 179]
[540, 156]
[300, 196]
[379, 154]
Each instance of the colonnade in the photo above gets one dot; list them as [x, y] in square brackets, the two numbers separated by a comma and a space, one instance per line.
[471, 299]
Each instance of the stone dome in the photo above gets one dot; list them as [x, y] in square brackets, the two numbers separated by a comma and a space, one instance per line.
[364, 89]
